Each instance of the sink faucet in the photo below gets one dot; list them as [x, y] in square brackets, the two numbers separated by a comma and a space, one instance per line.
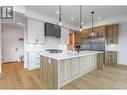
[77, 46]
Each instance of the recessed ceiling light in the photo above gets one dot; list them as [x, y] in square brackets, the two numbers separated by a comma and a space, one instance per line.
[57, 12]
[72, 18]
[99, 17]
[82, 23]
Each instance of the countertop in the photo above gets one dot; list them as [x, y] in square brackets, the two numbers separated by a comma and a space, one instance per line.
[68, 54]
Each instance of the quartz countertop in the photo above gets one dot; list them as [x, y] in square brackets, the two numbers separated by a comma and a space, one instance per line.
[68, 54]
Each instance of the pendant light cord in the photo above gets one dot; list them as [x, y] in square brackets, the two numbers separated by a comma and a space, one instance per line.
[92, 20]
[80, 17]
[60, 13]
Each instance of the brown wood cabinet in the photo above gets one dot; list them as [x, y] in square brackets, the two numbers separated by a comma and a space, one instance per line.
[49, 73]
[111, 57]
[77, 37]
[98, 32]
[100, 61]
[112, 34]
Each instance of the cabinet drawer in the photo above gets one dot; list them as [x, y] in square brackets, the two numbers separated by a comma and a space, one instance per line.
[111, 57]
[33, 60]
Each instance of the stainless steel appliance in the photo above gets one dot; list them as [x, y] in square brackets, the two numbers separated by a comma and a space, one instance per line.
[94, 44]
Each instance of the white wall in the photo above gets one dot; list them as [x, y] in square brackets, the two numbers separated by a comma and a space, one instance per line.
[50, 43]
[0, 49]
[14, 29]
[122, 53]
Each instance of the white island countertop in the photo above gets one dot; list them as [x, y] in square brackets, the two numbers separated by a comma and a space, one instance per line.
[67, 55]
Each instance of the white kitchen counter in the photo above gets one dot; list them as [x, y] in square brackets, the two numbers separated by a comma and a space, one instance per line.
[67, 54]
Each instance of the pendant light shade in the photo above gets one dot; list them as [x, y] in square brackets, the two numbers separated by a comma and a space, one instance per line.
[60, 22]
[92, 34]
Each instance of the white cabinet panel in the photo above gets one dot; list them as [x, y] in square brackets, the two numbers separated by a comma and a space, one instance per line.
[64, 70]
[64, 36]
[35, 31]
[34, 60]
[74, 66]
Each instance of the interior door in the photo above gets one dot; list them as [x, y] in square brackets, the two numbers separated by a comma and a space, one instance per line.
[10, 45]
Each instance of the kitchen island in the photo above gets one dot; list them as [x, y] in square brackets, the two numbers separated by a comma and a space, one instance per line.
[59, 69]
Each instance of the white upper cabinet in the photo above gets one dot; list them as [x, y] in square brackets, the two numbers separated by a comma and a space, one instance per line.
[35, 31]
[64, 35]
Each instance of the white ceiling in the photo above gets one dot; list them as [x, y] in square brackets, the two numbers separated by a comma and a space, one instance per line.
[104, 12]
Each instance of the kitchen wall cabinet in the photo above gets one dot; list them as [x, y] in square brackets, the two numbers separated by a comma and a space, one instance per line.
[102, 30]
[64, 35]
[77, 37]
[111, 57]
[112, 34]
[33, 60]
[86, 33]
[35, 31]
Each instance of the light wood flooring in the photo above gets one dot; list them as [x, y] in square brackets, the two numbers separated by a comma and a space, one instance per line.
[112, 77]
[16, 77]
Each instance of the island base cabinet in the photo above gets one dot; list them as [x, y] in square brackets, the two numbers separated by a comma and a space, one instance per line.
[57, 73]
[49, 73]
[87, 62]
[100, 61]
[73, 68]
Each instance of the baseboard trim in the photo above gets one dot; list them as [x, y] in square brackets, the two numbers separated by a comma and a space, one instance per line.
[10, 62]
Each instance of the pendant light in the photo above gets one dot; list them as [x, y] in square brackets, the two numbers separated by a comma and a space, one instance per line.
[60, 22]
[80, 18]
[92, 34]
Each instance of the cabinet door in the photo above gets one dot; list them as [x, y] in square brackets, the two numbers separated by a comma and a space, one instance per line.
[102, 31]
[115, 34]
[31, 30]
[82, 64]
[64, 36]
[74, 65]
[109, 35]
[35, 31]
[40, 32]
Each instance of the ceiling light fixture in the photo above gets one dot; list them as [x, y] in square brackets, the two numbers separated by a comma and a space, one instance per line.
[57, 12]
[92, 34]
[99, 18]
[80, 18]
[72, 18]
[60, 22]
[82, 23]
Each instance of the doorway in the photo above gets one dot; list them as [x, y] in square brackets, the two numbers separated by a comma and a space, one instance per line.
[12, 43]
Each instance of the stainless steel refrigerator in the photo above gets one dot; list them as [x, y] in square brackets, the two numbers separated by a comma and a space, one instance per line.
[94, 44]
